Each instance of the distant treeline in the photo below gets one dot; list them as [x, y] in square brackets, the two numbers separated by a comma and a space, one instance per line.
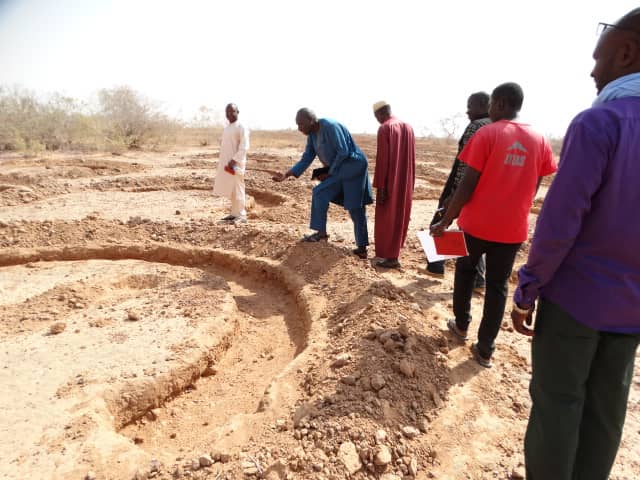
[118, 120]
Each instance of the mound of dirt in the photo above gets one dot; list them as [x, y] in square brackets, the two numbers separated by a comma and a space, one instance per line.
[143, 337]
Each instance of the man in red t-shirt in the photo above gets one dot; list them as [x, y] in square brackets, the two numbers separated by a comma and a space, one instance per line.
[506, 161]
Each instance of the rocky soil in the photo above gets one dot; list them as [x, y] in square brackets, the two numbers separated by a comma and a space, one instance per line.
[144, 338]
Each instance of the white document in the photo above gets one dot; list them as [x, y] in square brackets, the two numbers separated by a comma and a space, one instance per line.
[429, 247]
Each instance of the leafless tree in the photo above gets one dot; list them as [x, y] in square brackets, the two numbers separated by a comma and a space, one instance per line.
[450, 125]
[130, 119]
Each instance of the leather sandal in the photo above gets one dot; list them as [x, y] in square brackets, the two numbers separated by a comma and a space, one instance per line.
[315, 237]
[360, 252]
[388, 263]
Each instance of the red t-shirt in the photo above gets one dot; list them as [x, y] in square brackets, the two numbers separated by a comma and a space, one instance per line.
[510, 157]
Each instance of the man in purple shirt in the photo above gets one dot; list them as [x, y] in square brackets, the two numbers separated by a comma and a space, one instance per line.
[584, 265]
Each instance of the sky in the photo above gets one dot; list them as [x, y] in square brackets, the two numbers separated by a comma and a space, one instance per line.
[337, 57]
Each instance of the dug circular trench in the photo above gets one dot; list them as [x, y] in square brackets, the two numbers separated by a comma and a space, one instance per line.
[104, 339]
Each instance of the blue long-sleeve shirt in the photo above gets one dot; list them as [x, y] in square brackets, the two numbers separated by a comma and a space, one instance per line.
[585, 253]
[348, 166]
[332, 144]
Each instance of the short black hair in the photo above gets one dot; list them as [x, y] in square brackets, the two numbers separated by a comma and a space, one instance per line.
[482, 98]
[511, 92]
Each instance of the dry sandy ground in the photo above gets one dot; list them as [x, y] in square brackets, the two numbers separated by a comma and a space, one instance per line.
[143, 338]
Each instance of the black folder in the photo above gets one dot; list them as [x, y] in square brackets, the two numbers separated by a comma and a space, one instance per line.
[319, 171]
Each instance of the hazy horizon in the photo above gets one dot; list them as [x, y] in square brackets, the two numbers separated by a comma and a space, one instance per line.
[337, 58]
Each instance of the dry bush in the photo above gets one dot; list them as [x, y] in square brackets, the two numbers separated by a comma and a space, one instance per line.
[451, 125]
[123, 120]
[29, 123]
[205, 124]
[130, 121]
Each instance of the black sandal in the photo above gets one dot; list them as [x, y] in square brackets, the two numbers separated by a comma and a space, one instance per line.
[315, 237]
[388, 263]
[360, 252]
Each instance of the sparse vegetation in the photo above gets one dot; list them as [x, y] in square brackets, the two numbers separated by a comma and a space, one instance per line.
[29, 123]
[131, 121]
[204, 123]
[123, 119]
[450, 125]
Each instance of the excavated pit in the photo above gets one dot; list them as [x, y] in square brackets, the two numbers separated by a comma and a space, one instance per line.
[141, 326]
[271, 395]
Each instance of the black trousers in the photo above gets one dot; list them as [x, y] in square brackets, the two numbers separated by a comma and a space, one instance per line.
[579, 391]
[499, 262]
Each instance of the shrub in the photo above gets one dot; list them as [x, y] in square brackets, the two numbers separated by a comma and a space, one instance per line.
[122, 120]
[132, 121]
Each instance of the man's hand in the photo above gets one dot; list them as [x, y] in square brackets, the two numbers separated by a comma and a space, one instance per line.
[381, 196]
[523, 322]
[437, 229]
[279, 177]
[322, 176]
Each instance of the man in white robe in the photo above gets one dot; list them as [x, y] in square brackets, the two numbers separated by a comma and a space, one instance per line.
[233, 158]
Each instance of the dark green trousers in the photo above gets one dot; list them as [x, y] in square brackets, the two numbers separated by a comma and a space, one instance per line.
[579, 391]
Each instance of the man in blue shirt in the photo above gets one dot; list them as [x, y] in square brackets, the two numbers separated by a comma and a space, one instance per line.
[345, 182]
[584, 265]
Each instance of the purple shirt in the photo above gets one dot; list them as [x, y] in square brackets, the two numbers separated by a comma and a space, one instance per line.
[585, 253]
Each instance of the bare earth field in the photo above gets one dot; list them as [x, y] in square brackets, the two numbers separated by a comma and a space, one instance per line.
[142, 338]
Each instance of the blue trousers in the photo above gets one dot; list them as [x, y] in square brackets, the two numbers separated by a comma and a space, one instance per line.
[322, 195]
[360, 232]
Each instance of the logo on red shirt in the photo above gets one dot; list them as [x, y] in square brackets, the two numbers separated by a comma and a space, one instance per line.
[516, 155]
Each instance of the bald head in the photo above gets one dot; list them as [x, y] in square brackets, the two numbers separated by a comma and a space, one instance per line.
[618, 50]
[306, 114]
[630, 21]
[307, 121]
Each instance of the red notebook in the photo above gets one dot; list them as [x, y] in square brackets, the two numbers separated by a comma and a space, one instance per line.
[451, 243]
